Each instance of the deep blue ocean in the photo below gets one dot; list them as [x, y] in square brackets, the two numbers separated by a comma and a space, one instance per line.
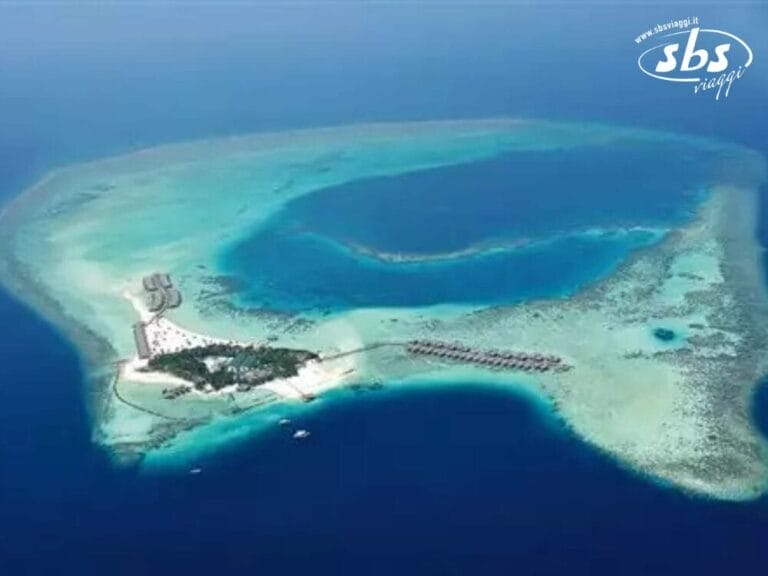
[462, 481]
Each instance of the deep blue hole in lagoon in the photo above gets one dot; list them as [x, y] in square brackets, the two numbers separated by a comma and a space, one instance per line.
[308, 256]
[664, 334]
[514, 194]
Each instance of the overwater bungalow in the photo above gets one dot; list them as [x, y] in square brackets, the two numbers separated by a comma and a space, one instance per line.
[173, 298]
[149, 283]
[140, 338]
[155, 301]
[162, 280]
[511, 360]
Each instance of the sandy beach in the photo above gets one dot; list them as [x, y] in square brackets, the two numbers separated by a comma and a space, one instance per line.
[164, 336]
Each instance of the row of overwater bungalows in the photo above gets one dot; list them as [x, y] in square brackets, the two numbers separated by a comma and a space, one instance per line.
[510, 360]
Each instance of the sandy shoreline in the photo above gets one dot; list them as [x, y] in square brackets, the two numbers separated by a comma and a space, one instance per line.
[164, 336]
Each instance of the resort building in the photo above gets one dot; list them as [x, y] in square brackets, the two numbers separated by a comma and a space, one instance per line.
[511, 360]
[156, 301]
[173, 298]
[161, 293]
[140, 337]
[160, 296]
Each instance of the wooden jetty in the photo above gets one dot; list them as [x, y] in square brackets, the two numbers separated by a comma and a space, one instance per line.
[502, 359]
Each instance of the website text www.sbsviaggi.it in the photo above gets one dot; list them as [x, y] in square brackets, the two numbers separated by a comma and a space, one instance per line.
[684, 52]
[681, 24]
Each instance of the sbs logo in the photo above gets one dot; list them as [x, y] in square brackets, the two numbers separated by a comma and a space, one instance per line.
[709, 59]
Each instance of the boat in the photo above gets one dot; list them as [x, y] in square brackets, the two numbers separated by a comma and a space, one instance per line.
[195, 470]
[299, 434]
[284, 421]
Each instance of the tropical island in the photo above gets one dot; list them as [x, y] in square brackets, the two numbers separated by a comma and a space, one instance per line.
[219, 366]
[651, 357]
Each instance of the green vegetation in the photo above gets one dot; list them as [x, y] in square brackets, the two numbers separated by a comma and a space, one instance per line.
[222, 365]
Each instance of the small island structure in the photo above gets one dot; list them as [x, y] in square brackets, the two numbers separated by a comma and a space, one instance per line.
[201, 362]
[161, 296]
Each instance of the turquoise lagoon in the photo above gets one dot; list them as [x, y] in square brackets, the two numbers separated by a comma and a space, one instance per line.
[520, 225]
[464, 213]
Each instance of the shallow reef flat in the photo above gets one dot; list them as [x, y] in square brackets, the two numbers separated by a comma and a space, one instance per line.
[664, 352]
[676, 407]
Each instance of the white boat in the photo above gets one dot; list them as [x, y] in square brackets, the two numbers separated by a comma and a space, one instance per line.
[299, 434]
[284, 421]
[195, 470]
